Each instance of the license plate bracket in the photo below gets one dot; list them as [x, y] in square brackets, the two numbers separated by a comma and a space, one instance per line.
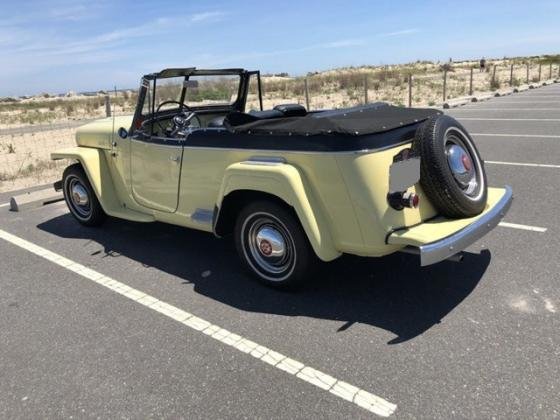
[404, 174]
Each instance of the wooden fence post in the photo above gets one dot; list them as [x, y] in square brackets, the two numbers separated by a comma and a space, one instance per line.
[444, 85]
[540, 70]
[527, 73]
[550, 70]
[365, 90]
[493, 76]
[410, 90]
[107, 106]
[511, 75]
[306, 94]
[470, 83]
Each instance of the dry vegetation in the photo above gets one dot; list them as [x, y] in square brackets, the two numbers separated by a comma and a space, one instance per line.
[24, 155]
[347, 86]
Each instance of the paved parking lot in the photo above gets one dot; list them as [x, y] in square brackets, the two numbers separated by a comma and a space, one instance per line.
[476, 339]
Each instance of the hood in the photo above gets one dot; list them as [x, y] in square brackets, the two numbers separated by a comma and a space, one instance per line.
[99, 133]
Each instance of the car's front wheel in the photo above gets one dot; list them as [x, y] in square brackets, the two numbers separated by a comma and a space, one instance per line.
[273, 246]
[80, 198]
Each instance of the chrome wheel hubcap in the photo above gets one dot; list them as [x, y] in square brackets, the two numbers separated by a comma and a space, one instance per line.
[269, 246]
[78, 197]
[270, 242]
[460, 162]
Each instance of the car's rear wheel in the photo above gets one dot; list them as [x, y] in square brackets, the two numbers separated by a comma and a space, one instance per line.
[273, 246]
[80, 197]
[451, 172]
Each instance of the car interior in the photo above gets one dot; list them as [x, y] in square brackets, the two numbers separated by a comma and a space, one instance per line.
[171, 123]
[189, 99]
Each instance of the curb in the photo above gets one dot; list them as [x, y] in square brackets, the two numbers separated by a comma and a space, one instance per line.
[35, 199]
[456, 102]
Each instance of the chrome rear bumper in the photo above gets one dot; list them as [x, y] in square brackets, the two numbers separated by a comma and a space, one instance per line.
[445, 248]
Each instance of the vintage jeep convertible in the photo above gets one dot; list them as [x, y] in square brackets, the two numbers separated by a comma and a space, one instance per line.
[292, 186]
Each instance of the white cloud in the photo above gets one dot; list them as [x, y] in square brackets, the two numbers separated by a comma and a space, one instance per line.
[208, 16]
[345, 43]
[74, 12]
[18, 41]
[401, 32]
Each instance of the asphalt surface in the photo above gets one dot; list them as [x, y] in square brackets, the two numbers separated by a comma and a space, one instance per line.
[476, 339]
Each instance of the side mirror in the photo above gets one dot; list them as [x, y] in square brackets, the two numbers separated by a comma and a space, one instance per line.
[123, 134]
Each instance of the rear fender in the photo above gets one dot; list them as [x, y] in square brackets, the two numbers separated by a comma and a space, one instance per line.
[284, 181]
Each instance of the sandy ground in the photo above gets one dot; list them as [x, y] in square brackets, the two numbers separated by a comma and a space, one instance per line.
[25, 158]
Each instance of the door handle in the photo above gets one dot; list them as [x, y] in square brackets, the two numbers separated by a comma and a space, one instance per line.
[174, 158]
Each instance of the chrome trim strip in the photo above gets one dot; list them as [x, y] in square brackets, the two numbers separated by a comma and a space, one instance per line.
[203, 216]
[438, 251]
[265, 160]
[272, 159]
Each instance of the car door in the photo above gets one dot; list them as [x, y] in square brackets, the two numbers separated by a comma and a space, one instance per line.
[155, 172]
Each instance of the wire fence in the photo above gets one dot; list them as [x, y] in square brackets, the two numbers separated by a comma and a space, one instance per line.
[31, 129]
[418, 85]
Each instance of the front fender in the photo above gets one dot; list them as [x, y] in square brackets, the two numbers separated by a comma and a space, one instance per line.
[287, 183]
[97, 170]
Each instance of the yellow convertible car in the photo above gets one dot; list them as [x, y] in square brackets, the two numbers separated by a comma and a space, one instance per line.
[292, 186]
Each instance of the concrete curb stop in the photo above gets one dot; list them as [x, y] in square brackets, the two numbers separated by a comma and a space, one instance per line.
[35, 199]
[483, 97]
[457, 102]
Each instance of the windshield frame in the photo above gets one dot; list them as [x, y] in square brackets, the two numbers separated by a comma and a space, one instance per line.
[237, 105]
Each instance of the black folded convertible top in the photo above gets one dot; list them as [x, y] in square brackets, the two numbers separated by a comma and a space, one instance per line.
[362, 120]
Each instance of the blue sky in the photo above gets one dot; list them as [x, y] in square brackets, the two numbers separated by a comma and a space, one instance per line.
[62, 45]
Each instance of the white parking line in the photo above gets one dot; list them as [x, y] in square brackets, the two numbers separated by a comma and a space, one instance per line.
[4, 205]
[544, 136]
[364, 399]
[541, 95]
[522, 227]
[529, 101]
[502, 109]
[508, 119]
[537, 165]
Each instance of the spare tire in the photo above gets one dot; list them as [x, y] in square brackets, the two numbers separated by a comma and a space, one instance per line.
[451, 170]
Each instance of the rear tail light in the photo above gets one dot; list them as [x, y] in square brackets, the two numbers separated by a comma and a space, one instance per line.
[411, 200]
[400, 200]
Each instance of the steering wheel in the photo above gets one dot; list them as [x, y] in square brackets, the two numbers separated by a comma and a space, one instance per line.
[181, 120]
